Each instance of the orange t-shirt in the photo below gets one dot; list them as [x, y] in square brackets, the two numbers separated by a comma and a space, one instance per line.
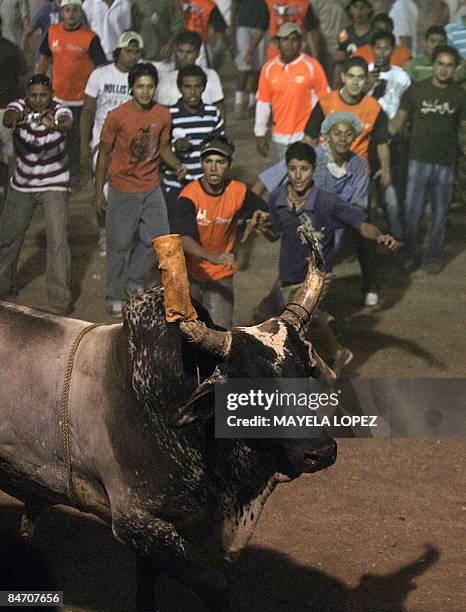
[196, 15]
[217, 219]
[399, 57]
[367, 110]
[284, 11]
[136, 137]
[292, 90]
[72, 65]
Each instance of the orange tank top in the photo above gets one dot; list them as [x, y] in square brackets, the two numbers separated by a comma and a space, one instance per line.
[71, 62]
[217, 219]
[196, 15]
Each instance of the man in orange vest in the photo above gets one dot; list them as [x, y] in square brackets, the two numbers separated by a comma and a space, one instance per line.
[201, 16]
[74, 51]
[206, 215]
[299, 12]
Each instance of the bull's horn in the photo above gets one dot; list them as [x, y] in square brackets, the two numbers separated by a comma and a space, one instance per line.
[211, 340]
[299, 312]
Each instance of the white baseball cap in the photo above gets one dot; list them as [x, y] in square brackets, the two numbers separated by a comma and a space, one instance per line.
[127, 38]
[70, 2]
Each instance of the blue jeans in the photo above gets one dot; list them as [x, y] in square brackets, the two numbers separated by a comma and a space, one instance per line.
[438, 179]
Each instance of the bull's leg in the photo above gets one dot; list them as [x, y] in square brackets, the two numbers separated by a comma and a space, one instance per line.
[161, 545]
[32, 509]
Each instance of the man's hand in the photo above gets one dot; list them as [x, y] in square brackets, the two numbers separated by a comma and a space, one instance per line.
[166, 51]
[262, 145]
[48, 120]
[100, 203]
[388, 241]
[257, 223]
[182, 145]
[223, 258]
[384, 175]
[22, 117]
[181, 173]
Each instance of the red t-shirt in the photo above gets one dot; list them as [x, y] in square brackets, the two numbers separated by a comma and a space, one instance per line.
[136, 137]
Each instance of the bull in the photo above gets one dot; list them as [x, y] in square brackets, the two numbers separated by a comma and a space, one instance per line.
[165, 490]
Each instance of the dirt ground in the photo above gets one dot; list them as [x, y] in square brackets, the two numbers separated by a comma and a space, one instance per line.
[383, 529]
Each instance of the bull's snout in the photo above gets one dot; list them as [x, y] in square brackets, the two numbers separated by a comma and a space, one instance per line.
[307, 456]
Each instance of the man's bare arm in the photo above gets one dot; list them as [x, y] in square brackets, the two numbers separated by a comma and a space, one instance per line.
[103, 160]
[87, 118]
[395, 124]
[192, 247]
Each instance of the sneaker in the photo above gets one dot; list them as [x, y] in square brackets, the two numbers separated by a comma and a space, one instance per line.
[371, 299]
[343, 357]
[102, 246]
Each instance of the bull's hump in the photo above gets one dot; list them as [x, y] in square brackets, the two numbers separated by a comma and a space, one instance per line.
[273, 333]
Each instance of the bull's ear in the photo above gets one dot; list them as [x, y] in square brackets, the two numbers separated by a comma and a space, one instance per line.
[199, 405]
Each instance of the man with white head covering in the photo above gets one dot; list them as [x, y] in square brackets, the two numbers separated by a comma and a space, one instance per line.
[340, 171]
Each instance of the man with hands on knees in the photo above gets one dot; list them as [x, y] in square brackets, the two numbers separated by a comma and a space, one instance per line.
[135, 134]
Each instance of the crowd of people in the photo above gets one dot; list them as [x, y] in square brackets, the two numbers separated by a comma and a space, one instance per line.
[349, 113]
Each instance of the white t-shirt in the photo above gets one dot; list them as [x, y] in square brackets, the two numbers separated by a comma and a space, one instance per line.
[108, 22]
[398, 82]
[404, 14]
[168, 92]
[109, 86]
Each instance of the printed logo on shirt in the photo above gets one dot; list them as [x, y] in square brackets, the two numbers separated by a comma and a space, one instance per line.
[299, 78]
[435, 107]
[112, 88]
[145, 144]
[189, 8]
[222, 221]
[282, 12]
[201, 217]
[56, 44]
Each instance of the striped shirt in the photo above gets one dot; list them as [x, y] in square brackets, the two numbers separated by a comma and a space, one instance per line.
[195, 127]
[41, 159]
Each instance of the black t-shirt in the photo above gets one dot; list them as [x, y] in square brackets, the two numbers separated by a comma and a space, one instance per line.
[252, 14]
[436, 115]
[12, 67]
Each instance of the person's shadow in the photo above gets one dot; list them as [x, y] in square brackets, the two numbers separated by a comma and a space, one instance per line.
[96, 573]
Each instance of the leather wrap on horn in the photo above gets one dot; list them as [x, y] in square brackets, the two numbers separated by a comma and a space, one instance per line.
[172, 264]
[178, 307]
[311, 288]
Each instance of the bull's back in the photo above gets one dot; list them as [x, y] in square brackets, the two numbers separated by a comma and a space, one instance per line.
[34, 348]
